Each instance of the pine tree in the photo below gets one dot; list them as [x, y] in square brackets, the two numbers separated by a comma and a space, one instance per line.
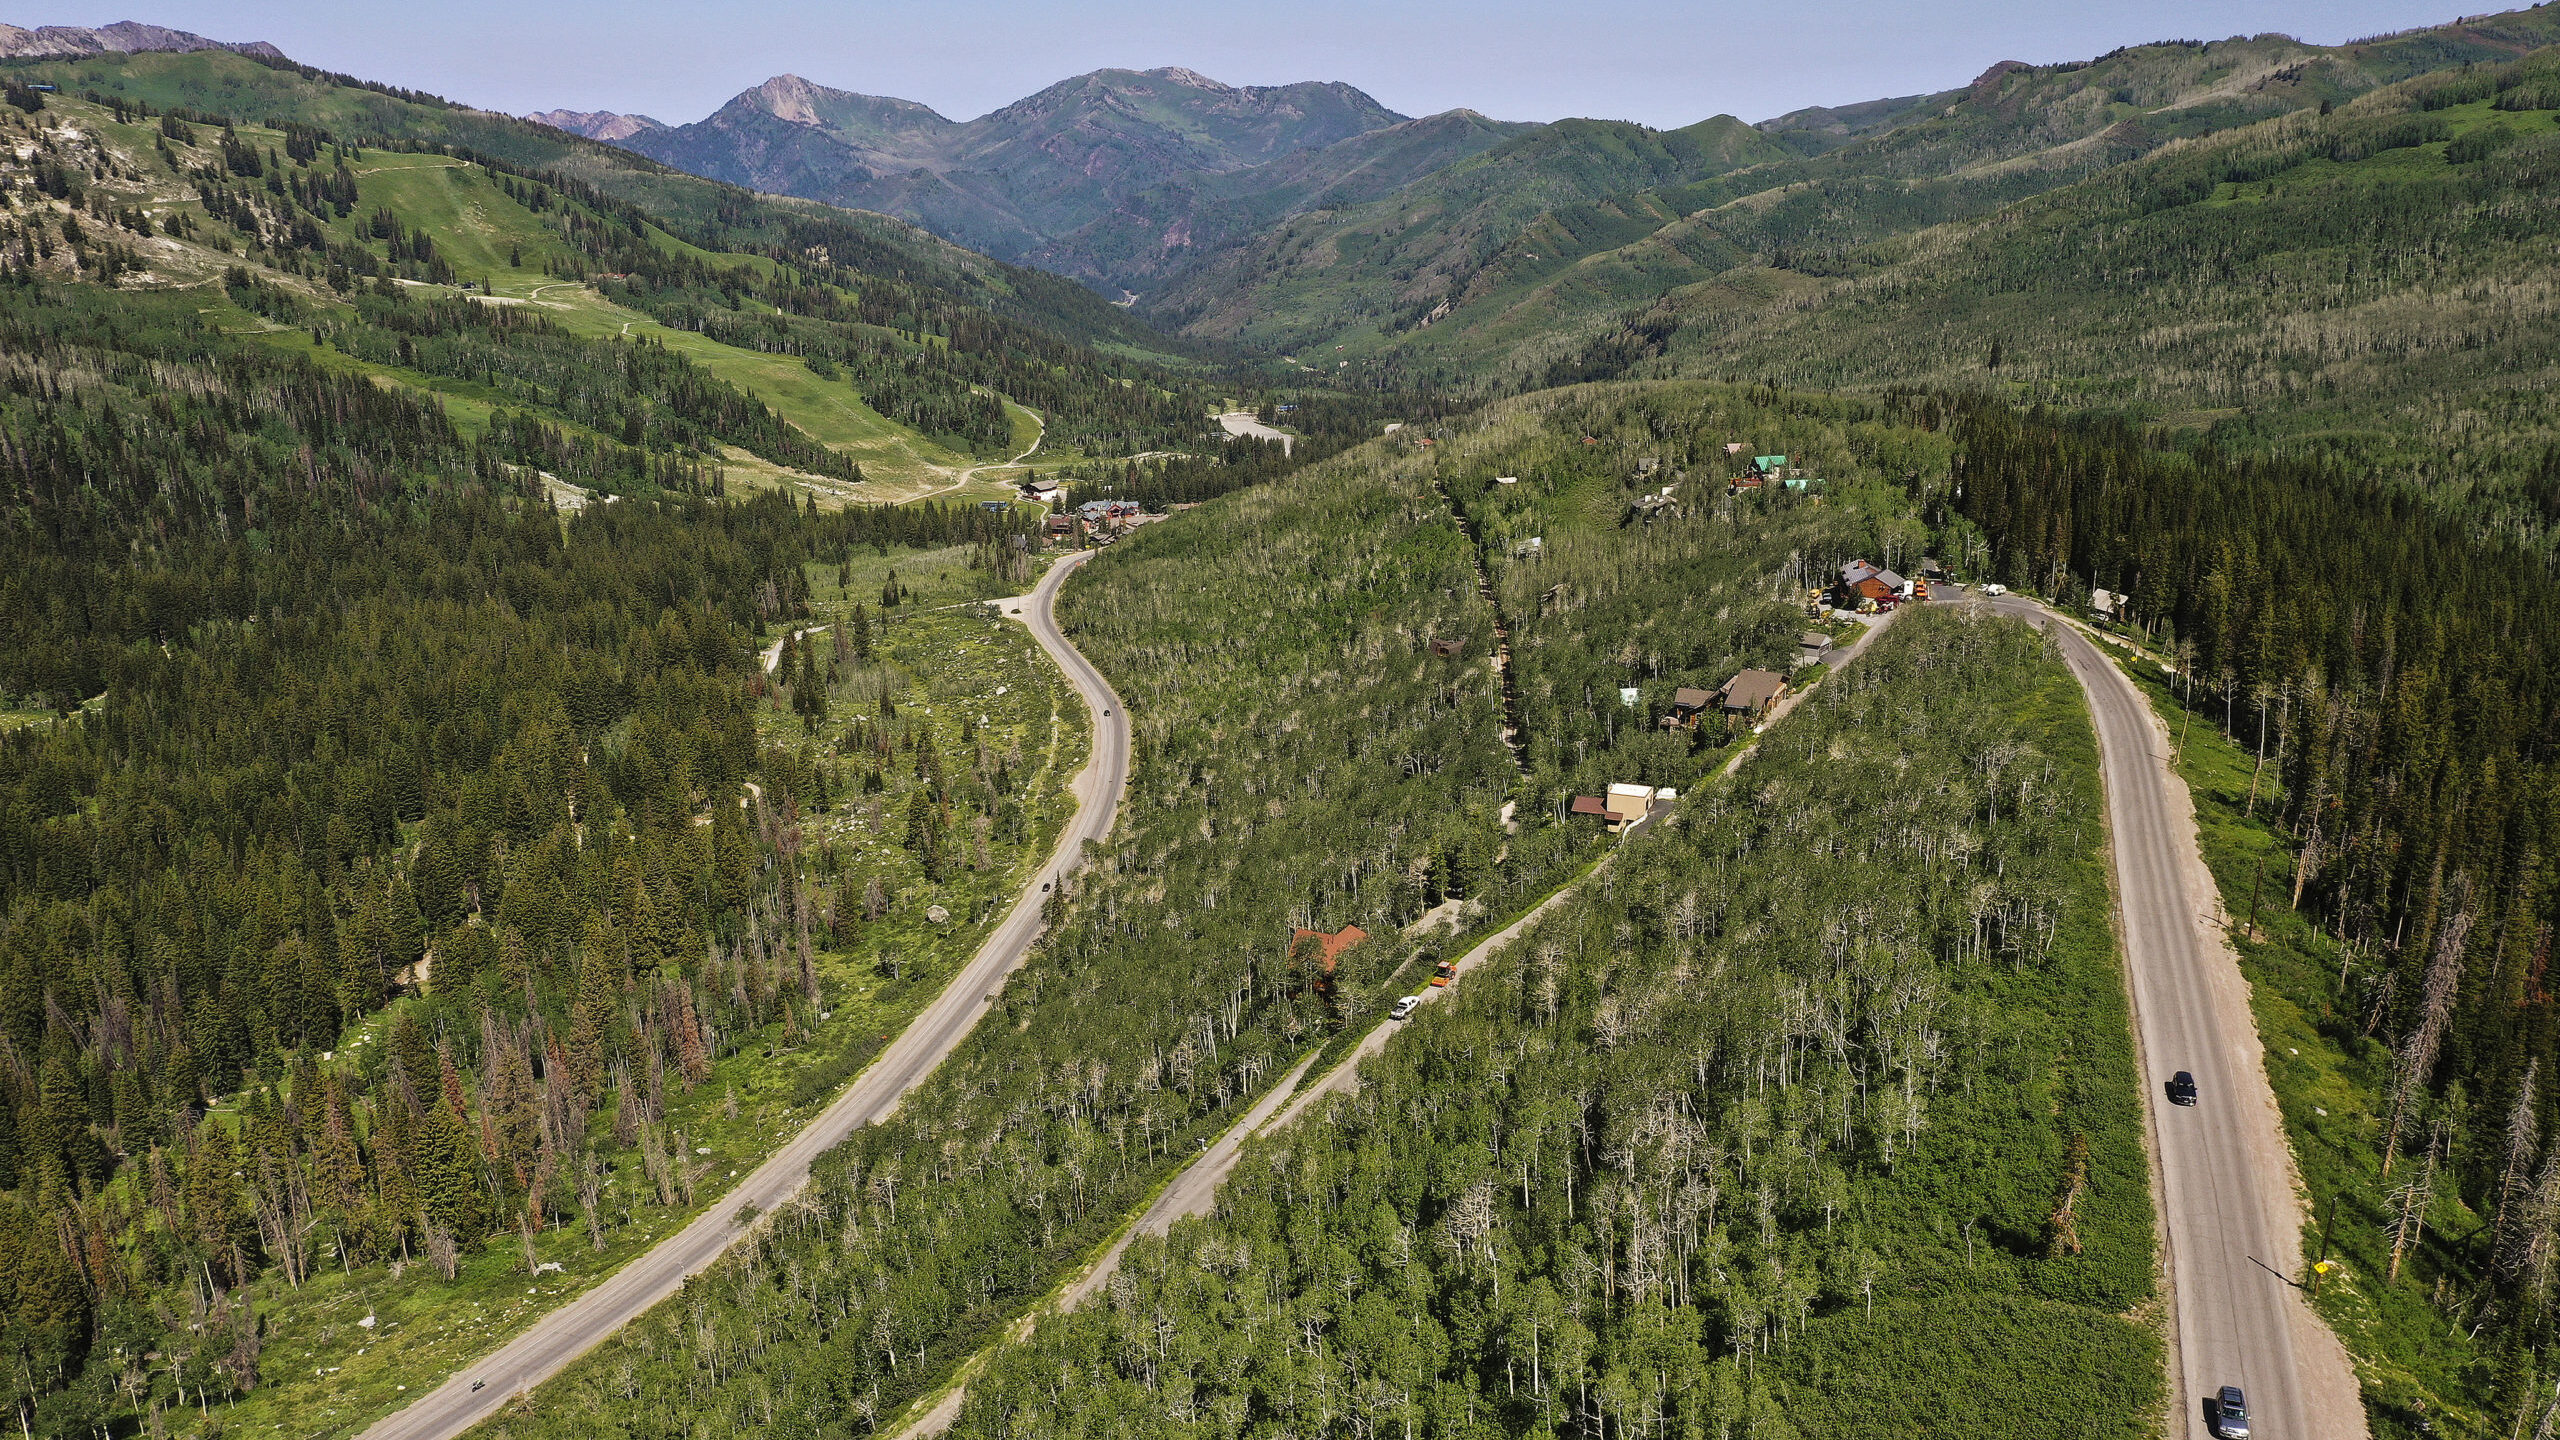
[595, 1014]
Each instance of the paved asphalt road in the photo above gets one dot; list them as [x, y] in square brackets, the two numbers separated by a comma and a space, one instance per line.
[2232, 1220]
[481, 1389]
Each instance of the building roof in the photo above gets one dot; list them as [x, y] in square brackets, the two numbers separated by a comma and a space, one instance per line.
[1875, 589]
[1329, 947]
[1690, 697]
[1590, 805]
[1815, 640]
[1855, 571]
[1889, 578]
[1753, 689]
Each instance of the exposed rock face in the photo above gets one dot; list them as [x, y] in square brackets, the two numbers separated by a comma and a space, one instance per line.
[125, 37]
[602, 125]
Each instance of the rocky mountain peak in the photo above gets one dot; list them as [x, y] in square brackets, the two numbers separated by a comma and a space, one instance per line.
[125, 37]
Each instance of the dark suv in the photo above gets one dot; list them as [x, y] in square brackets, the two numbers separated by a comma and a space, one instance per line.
[2231, 1414]
[2182, 1089]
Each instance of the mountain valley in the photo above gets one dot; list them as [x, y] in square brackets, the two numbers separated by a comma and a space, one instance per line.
[1209, 761]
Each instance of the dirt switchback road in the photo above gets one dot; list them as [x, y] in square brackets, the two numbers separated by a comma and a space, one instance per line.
[2226, 1186]
[480, 1390]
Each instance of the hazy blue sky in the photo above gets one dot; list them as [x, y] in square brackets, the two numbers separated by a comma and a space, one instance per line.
[1657, 61]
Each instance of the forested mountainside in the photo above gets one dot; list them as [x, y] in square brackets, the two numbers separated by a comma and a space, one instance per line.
[1506, 295]
[481, 281]
[1310, 759]
[1817, 1118]
[2367, 285]
[713, 216]
[369, 719]
[413, 885]
[1018, 177]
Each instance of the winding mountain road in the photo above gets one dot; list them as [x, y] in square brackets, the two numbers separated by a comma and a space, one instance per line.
[2231, 1220]
[481, 1389]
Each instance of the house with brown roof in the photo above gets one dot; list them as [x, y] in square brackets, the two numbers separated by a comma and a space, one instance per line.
[1751, 693]
[1687, 704]
[1624, 806]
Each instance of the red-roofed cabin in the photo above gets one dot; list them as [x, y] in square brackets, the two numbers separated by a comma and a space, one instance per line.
[1326, 949]
[1594, 806]
[1313, 954]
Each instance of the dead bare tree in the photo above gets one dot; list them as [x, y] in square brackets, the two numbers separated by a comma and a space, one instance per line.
[2417, 1055]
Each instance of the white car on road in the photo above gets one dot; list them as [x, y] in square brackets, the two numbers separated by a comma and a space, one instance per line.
[1404, 1007]
[1995, 590]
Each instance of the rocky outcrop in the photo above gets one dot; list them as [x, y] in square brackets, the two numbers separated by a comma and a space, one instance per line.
[125, 37]
[602, 125]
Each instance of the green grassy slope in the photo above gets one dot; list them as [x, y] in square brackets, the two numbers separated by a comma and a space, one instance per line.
[1387, 263]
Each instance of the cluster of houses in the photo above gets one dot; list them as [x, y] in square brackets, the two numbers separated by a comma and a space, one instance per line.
[1746, 697]
[1768, 470]
[1097, 520]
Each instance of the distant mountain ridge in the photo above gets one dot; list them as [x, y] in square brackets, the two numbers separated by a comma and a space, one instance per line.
[125, 37]
[602, 125]
[1009, 182]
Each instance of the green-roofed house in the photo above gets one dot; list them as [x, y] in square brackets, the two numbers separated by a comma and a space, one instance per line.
[1768, 464]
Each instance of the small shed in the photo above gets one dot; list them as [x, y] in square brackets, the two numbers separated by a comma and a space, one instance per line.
[1816, 642]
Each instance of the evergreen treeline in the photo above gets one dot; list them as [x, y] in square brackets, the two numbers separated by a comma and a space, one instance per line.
[1815, 1116]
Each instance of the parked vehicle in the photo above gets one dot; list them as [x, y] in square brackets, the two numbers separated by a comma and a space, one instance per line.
[2231, 1414]
[1995, 589]
[2182, 1089]
[1444, 972]
[1404, 1007]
